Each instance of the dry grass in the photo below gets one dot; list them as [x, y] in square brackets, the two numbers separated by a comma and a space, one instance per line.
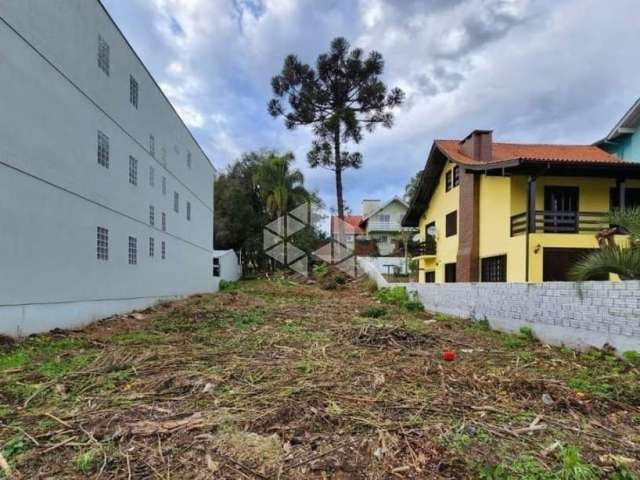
[283, 380]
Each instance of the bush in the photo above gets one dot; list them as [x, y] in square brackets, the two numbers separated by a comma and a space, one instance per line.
[320, 270]
[399, 296]
[375, 312]
[226, 285]
[393, 295]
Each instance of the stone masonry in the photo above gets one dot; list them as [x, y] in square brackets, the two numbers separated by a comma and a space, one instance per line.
[574, 314]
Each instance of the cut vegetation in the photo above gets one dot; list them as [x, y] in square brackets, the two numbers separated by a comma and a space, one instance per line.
[283, 380]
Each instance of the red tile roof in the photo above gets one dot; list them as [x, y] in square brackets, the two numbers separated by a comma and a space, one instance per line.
[503, 152]
[353, 224]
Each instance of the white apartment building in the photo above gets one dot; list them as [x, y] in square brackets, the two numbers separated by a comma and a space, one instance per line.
[106, 199]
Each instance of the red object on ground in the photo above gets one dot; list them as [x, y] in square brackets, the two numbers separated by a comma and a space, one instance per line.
[448, 356]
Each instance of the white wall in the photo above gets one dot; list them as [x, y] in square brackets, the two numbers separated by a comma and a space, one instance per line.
[230, 267]
[54, 194]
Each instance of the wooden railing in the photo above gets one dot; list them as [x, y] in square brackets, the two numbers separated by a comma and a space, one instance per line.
[559, 222]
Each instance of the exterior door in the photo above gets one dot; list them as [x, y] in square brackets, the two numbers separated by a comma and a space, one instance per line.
[561, 209]
[557, 262]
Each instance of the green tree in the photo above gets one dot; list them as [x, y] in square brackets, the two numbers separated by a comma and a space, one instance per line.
[280, 187]
[250, 193]
[411, 188]
[613, 258]
[339, 98]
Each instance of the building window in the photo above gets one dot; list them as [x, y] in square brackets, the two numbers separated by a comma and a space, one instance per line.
[176, 202]
[189, 211]
[384, 218]
[103, 149]
[429, 277]
[164, 185]
[448, 180]
[152, 247]
[133, 91]
[152, 215]
[450, 272]
[152, 145]
[216, 267]
[152, 176]
[456, 176]
[163, 251]
[164, 222]
[189, 160]
[494, 269]
[451, 224]
[133, 251]
[103, 55]
[102, 246]
[133, 170]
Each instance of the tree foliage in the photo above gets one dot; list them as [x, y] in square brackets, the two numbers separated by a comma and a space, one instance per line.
[411, 188]
[249, 194]
[623, 261]
[339, 99]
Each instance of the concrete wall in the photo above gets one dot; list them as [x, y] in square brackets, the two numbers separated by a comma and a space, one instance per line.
[53, 192]
[230, 266]
[380, 262]
[575, 314]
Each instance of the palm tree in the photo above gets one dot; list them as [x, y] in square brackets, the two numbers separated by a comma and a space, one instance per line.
[613, 258]
[280, 187]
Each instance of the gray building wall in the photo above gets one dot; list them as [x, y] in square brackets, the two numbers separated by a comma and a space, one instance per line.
[575, 314]
[53, 193]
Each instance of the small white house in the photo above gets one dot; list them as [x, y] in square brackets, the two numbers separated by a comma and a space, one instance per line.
[227, 265]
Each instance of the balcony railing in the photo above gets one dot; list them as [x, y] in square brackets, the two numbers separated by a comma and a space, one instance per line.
[427, 248]
[384, 226]
[560, 222]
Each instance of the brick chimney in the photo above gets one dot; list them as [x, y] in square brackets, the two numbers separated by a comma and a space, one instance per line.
[477, 145]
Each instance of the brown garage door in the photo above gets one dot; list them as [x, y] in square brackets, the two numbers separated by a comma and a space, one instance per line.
[557, 262]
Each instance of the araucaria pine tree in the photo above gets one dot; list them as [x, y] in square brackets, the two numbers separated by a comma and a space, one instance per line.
[339, 98]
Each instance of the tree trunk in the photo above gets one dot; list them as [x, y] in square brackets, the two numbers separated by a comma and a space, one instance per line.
[336, 148]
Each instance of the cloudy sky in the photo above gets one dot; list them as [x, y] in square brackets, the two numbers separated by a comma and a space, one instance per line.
[553, 71]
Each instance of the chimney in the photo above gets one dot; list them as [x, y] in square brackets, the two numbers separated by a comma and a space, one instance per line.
[369, 206]
[477, 145]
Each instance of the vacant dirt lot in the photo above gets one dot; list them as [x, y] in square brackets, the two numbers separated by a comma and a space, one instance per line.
[281, 380]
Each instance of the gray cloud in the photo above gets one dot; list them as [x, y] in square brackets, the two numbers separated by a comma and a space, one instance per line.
[532, 70]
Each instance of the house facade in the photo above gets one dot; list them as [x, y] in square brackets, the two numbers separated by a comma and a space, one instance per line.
[501, 212]
[624, 139]
[381, 222]
[106, 199]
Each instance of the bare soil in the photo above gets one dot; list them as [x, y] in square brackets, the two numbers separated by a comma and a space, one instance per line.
[278, 379]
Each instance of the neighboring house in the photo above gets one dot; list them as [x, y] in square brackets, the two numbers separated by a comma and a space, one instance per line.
[350, 228]
[382, 222]
[624, 139]
[106, 201]
[496, 212]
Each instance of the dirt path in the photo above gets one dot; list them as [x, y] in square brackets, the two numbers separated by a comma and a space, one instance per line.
[281, 380]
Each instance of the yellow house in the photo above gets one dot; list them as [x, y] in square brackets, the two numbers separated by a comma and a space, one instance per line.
[514, 212]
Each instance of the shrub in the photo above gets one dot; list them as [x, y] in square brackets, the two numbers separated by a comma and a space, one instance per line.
[399, 296]
[320, 270]
[375, 312]
[227, 285]
[393, 295]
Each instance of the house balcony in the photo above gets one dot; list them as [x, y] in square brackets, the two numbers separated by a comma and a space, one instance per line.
[383, 226]
[559, 222]
[426, 249]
